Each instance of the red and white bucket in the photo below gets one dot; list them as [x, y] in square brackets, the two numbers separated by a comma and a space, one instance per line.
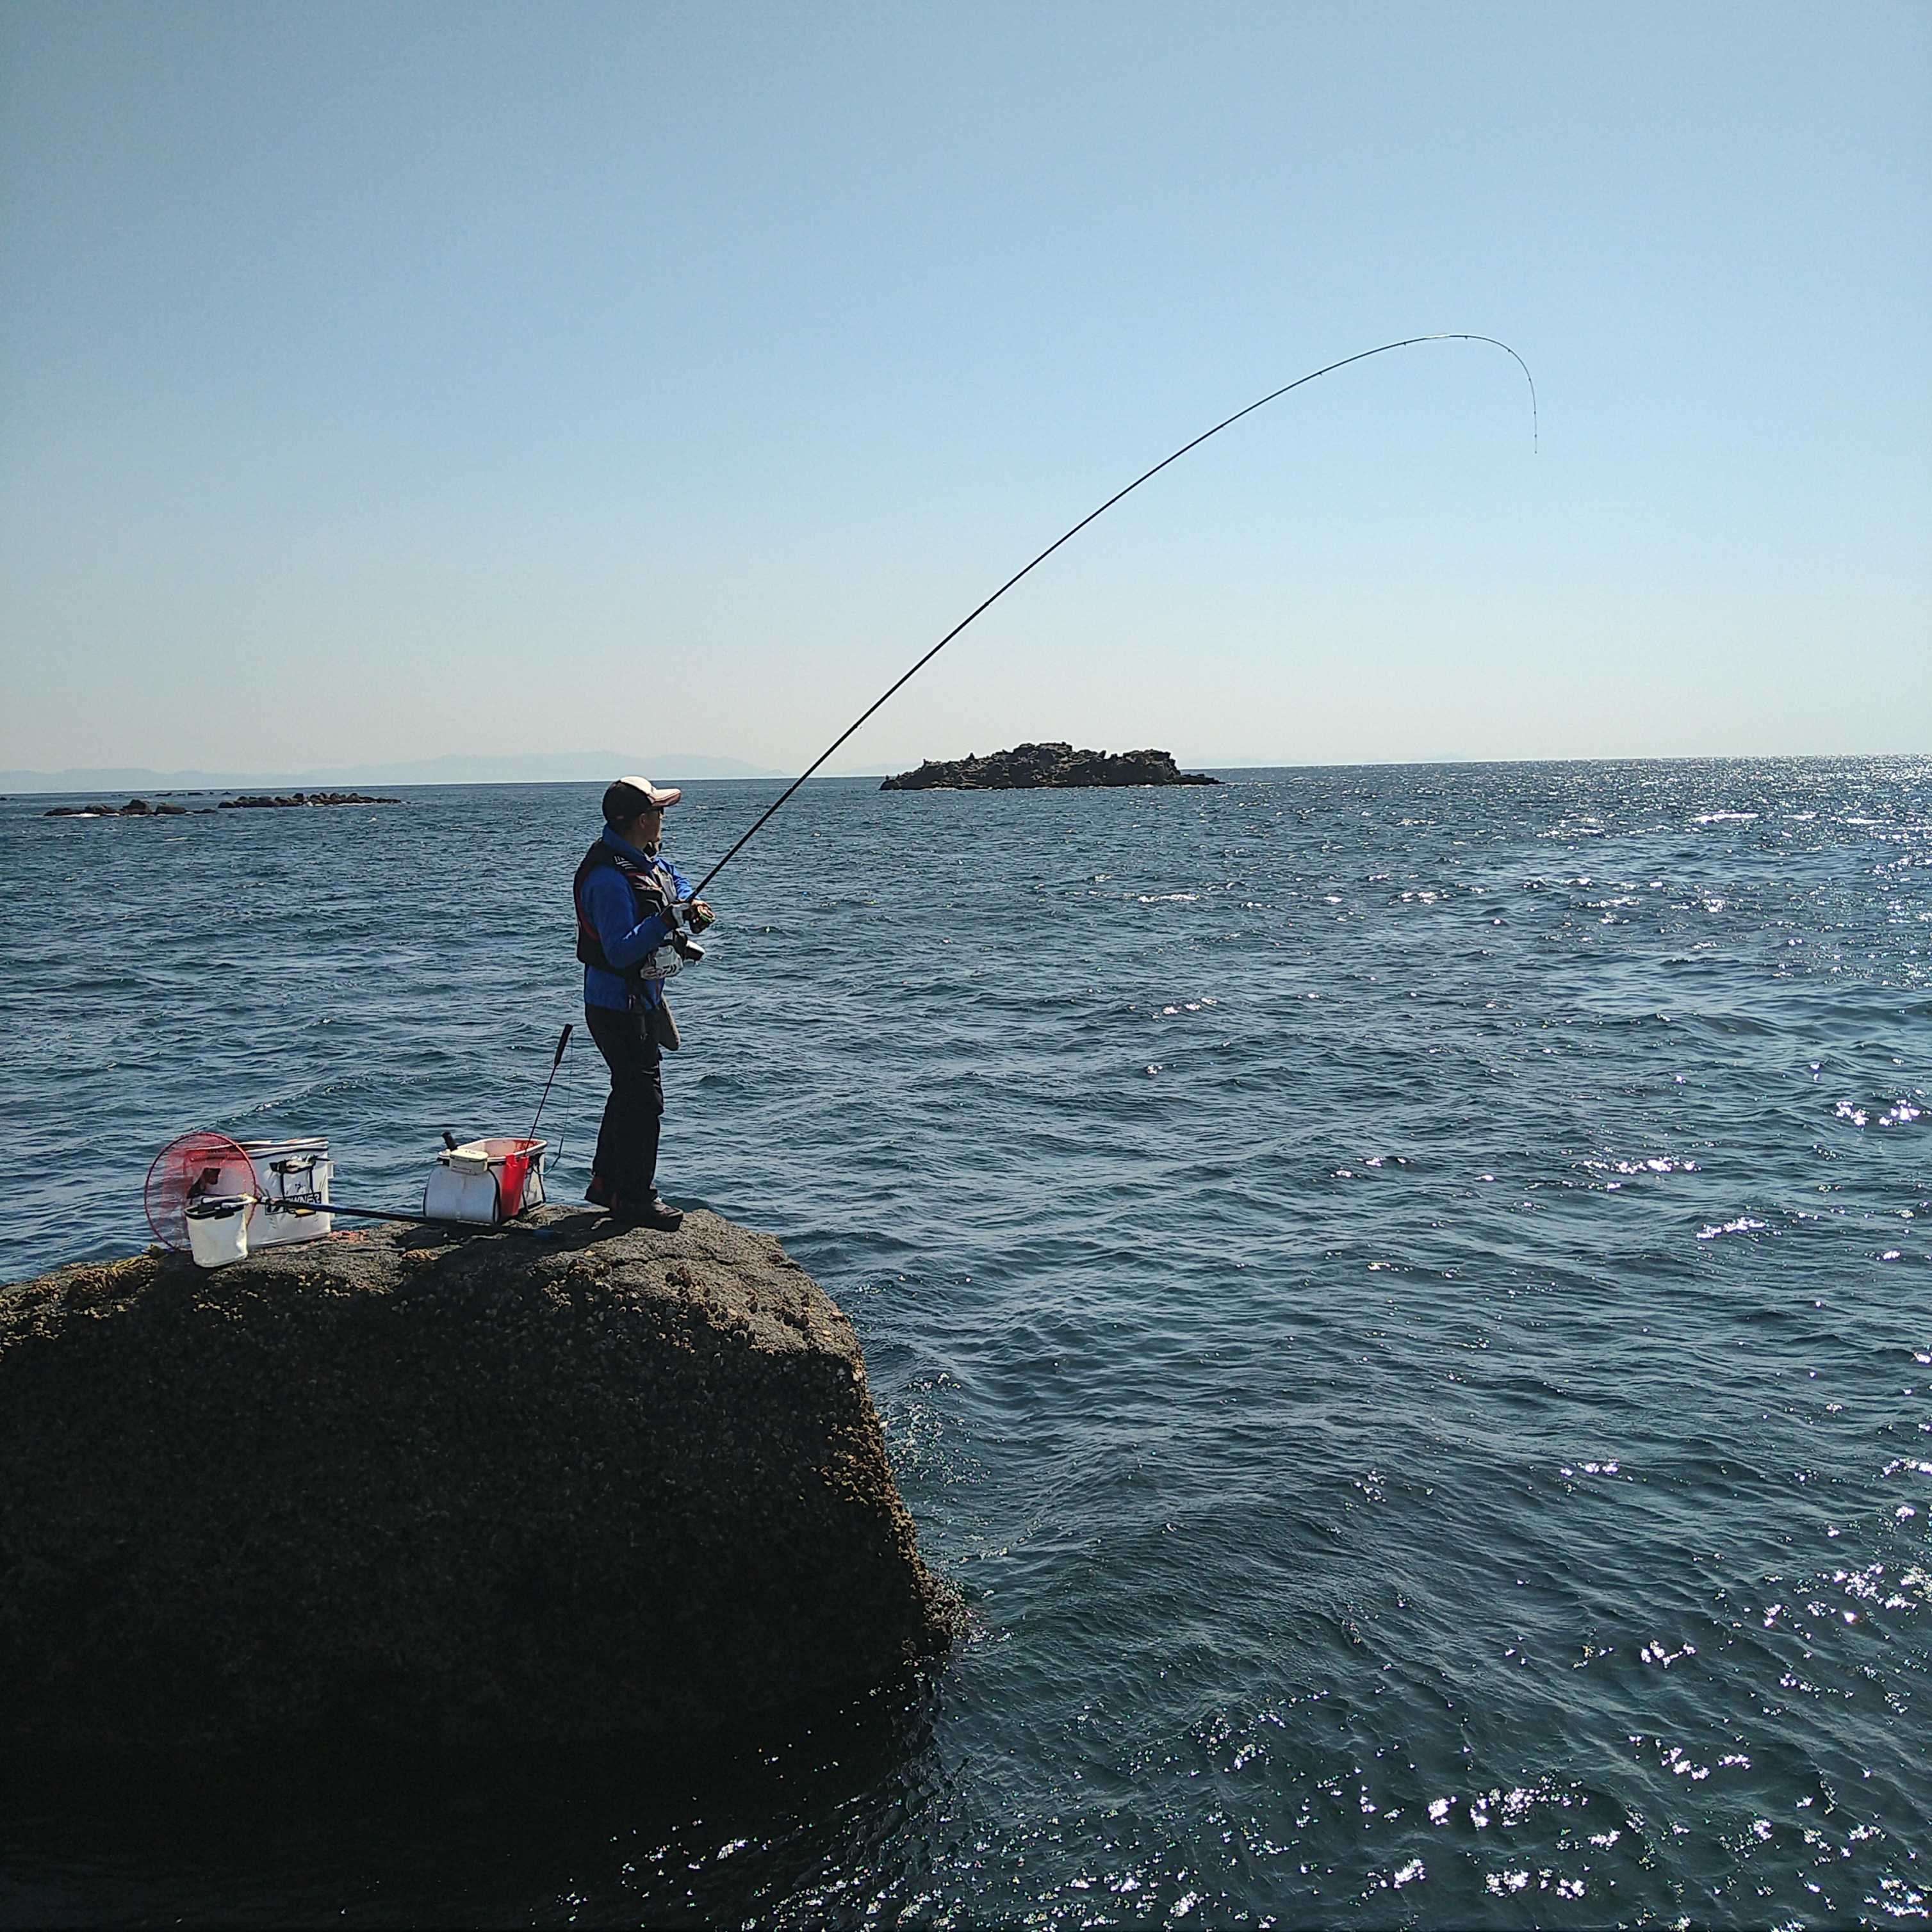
[486, 1181]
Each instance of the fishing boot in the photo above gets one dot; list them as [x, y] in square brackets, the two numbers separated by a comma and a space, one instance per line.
[649, 1210]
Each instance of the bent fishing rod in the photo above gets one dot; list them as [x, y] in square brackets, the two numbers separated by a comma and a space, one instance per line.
[1361, 355]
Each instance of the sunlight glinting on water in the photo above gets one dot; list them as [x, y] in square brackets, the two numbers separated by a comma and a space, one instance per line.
[1400, 1295]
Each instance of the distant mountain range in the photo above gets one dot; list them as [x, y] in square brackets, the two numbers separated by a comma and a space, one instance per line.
[457, 768]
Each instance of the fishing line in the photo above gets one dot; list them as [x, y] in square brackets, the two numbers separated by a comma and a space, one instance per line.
[1361, 355]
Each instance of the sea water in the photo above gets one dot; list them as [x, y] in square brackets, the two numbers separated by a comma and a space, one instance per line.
[1402, 1297]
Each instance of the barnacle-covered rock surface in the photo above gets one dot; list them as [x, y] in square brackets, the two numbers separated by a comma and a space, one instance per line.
[545, 1482]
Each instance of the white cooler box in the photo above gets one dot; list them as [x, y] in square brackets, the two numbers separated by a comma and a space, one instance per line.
[291, 1170]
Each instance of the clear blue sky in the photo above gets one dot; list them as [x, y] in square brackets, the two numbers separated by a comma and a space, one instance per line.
[382, 381]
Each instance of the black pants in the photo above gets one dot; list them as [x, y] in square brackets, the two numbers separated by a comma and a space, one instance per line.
[627, 1143]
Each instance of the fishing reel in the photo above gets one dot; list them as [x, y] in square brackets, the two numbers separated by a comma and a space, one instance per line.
[686, 948]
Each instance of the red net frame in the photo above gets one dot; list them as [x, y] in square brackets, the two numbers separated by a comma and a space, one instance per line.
[192, 1167]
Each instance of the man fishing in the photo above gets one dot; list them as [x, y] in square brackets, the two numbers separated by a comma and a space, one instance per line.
[629, 899]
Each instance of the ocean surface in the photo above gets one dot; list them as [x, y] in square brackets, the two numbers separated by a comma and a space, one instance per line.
[1402, 1296]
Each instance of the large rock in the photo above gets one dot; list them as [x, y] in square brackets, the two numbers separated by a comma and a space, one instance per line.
[1027, 766]
[516, 1485]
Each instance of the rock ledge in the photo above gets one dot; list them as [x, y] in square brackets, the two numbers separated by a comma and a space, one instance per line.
[516, 1485]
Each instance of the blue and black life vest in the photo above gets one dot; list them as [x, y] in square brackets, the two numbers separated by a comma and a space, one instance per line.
[647, 885]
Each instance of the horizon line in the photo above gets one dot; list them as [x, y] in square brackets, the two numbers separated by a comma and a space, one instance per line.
[159, 781]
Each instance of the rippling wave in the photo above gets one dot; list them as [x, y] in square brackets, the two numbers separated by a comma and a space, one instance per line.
[1401, 1294]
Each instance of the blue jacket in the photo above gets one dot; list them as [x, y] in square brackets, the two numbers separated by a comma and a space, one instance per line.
[612, 909]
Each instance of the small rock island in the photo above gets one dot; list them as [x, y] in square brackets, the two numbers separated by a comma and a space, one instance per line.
[1028, 766]
[135, 808]
[498, 1486]
[139, 807]
[269, 801]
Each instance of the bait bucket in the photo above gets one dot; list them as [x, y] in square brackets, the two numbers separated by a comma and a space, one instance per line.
[486, 1181]
[217, 1229]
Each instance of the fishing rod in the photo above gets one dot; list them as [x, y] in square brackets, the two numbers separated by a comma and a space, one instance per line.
[1361, 355]
[209, 1179]
[296, 1205]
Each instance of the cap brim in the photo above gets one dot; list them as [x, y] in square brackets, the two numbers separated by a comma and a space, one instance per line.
[659, 796]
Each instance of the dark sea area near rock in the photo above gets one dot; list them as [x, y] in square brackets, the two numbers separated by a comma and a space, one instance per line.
[1402, 1296]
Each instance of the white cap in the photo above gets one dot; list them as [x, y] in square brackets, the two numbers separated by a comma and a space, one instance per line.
[624, 798]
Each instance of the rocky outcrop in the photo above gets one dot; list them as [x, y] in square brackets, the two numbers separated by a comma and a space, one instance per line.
[1026, 766]
[139, 807]
[135, 808]
[544, 1482]
[263, 801]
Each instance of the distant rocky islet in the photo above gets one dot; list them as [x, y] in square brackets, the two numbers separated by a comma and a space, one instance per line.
[139, 807]
[1030, 767]
[1056, 765]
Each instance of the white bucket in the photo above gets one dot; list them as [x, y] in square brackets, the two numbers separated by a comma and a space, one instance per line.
[296, 1170]
[217, 1229]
